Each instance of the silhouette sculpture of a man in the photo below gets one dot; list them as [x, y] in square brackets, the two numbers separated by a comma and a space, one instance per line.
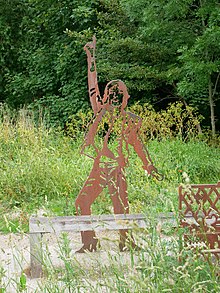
[109, 163]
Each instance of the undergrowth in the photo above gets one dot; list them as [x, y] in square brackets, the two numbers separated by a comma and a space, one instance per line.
[42, 169]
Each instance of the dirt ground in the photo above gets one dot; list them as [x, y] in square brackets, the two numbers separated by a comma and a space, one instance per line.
[15, 256]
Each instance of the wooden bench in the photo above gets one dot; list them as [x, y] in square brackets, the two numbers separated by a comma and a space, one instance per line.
[41, 225]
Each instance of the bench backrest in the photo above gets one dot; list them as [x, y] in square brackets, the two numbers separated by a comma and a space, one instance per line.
[202, 202]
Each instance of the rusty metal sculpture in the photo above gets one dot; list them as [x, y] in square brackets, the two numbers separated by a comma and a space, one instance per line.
[202, 202]
[109, 165]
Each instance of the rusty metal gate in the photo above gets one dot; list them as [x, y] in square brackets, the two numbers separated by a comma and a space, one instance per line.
[199, 206]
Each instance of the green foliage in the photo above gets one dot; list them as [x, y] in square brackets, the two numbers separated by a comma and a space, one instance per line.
[78, 123]
[23, 283]
[37, 165]
[171, 51]
[11, 13]
[200, 62]
[162, 50]
[146, 57]
[52, 65]
[177, 120]
[173, 159]
[156, 267]
[43, 169]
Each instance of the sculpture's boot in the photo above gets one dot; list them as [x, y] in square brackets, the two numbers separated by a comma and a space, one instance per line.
[89, 240]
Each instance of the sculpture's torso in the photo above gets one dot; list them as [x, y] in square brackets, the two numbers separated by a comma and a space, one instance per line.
[109, 135]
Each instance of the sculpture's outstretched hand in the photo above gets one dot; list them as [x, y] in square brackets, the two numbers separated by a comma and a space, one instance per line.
[151, 170]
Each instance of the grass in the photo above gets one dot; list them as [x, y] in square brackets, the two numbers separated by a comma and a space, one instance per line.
[155, 268]
[160, 266]
[42, 170]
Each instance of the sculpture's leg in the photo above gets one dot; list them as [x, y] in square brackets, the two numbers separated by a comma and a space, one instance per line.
[89, 241]
[90, 191]
[118, 189]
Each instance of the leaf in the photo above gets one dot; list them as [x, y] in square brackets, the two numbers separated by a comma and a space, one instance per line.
[23, 282]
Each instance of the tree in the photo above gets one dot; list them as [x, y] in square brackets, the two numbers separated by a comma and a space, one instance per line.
[52, 65]
[164, 50]
[142, 43]
[11, 13]
[184, 36]
[200, 77]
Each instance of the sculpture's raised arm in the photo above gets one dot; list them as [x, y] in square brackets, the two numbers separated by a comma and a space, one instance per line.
[94, 93]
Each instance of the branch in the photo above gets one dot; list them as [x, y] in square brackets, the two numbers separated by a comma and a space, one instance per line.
[172, 97]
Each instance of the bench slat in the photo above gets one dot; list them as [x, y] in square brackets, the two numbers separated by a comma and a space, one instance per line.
[97, 223]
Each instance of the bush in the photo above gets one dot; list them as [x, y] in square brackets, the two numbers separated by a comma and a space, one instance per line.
[176, 121]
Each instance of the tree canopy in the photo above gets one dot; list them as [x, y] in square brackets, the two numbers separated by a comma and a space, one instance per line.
[164, 50]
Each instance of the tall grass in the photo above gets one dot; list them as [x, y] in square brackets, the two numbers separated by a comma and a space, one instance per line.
[159, 266]
[155, 268]
[36, 164]
[42, 169]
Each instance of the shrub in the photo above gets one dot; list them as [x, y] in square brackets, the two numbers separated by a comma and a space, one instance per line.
[176, 121]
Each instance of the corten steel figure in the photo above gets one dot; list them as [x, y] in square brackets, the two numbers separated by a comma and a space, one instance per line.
[109, 165]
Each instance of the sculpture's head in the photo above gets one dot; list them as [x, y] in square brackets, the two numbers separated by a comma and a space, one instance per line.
[116, 94]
